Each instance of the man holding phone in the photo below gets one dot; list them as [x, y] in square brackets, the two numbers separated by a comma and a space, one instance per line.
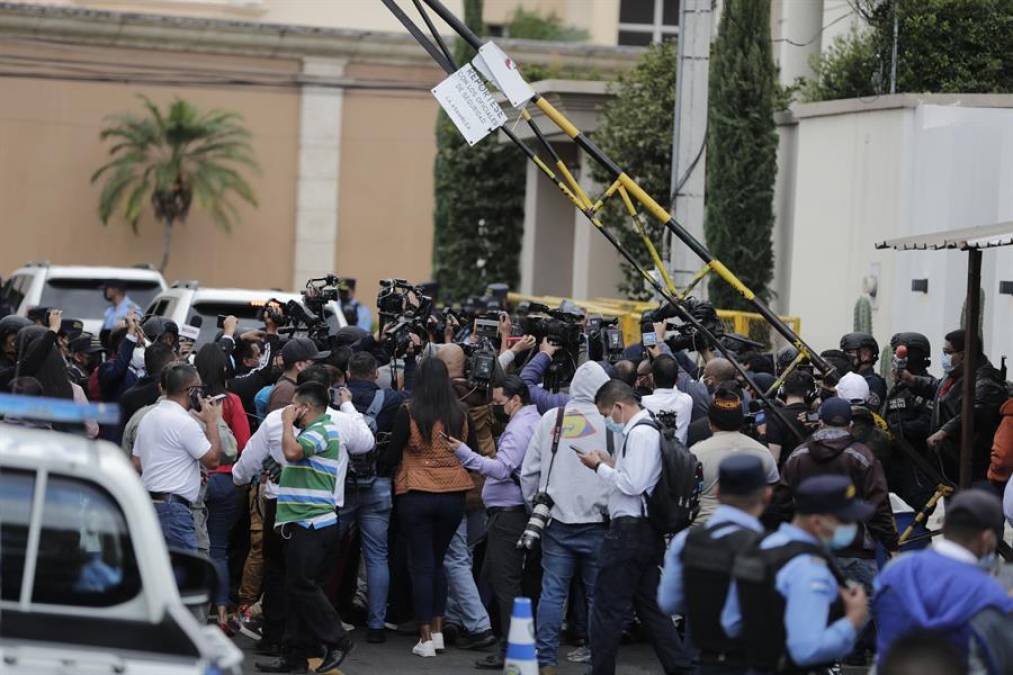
[171, 447]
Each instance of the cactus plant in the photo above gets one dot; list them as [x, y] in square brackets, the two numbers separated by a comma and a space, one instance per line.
[886, 365]
[863, 315]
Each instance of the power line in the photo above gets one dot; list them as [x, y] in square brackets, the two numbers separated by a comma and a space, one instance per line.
[820, 33]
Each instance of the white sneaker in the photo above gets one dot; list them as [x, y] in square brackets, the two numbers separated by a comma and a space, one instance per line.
[347, 626]
[579, 655]
[438, 644]
[424, 649]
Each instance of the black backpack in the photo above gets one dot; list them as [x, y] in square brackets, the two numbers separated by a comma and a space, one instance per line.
[675, 501]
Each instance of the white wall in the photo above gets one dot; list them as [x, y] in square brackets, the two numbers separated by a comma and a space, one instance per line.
[867, 171]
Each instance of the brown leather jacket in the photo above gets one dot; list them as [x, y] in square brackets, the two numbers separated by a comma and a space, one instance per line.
[428, 465]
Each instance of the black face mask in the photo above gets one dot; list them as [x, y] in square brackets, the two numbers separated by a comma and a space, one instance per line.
[499, 412]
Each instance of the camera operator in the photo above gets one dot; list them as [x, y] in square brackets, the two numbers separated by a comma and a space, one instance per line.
[569, 502]
[799, 391]
[504, 503]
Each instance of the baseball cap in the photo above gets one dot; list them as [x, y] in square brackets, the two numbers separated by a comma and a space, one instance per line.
[301, 349]
[976, 507]
[83, 344]
[835, 412]
[71, 328]
[834, 495]
[853, 388]
[741, 474]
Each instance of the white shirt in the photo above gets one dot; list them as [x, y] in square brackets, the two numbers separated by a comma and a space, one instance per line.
[637, 469]
[954, 551]
[672, 400]
[170, 443]
[353, 435]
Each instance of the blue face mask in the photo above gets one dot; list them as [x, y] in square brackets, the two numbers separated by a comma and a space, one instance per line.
[843, 536]
[614, 426]
[946, 362]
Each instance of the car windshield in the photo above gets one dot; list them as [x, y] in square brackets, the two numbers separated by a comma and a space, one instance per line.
[82, 298]
[246, 312]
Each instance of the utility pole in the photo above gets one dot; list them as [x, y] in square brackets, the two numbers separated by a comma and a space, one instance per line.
[689, 152]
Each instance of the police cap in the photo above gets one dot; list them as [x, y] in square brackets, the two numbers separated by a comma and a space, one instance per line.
[833, 495]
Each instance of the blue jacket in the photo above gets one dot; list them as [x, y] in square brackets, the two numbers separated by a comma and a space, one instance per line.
[934, 592]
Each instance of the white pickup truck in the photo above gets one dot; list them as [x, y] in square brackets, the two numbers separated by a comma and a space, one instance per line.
[86, 582]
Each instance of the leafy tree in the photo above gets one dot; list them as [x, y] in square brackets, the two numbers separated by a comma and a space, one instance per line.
[943, 46]
[741, 151]
[533, 26]
[479, 215]
[167, 159]
[636, 132]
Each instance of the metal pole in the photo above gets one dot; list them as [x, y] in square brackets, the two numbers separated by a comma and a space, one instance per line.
[893, 53]
[970, 364]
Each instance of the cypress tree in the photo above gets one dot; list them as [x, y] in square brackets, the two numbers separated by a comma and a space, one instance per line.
[479, 194]
[741, 152]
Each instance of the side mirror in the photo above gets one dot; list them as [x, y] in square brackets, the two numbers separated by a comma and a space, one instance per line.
[196, 576]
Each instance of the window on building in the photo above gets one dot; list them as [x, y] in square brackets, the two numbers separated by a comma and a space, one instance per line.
[642, 22]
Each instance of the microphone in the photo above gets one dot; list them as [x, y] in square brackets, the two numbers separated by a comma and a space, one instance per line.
[196, 321]
[900, 358]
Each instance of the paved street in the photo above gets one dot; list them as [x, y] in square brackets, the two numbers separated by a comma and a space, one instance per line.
[395, 657]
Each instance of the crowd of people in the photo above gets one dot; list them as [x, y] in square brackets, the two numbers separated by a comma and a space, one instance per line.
[377, 482]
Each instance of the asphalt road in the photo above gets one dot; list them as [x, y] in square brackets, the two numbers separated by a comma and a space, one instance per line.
[395, 657]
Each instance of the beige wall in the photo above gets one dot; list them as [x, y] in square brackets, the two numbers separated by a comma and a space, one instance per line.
[599, 17]
[385, 211]
[49, 147]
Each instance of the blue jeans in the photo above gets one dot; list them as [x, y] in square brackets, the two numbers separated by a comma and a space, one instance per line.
[370, 509]
[464, 604]
[564, 548]
[223, 502]
[177, 525]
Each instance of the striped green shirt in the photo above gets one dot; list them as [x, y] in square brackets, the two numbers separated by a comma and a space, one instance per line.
[306, 488]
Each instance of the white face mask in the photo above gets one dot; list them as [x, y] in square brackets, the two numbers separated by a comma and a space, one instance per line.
[137, 359]
[946, 362]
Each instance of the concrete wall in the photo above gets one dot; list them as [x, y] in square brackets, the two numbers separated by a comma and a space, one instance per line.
[49, 144]
[865, 172]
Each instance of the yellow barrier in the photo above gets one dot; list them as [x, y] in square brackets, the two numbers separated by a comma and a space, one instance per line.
[749, 324]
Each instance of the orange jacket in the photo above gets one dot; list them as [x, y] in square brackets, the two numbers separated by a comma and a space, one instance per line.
[1002, 446]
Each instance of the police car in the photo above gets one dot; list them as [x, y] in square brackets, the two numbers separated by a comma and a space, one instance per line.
[86, 582]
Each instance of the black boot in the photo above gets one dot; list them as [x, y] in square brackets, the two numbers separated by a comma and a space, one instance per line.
[284, 664]
[335, 655]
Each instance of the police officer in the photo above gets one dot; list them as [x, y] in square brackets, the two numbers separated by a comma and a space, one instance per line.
[698, 565]
[863, 350]
[356, 314]
[908, 415]
[790, 603]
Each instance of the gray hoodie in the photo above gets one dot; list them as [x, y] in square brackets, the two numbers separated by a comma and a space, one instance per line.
[578, 494]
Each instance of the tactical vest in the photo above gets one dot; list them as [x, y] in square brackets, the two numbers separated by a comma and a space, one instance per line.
[762, 606]
[707, 565]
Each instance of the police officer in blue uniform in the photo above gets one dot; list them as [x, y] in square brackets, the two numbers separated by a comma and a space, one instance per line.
[356, 313]
[698, 565]
[795, 613]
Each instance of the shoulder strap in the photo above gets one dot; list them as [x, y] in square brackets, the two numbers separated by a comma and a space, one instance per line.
[557, 432]
[376, 405]
[782, 555]
[649, 422]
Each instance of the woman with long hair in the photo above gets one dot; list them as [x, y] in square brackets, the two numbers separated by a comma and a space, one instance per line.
[430, 485]
[222, 499]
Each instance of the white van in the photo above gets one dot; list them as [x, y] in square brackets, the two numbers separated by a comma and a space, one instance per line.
[185, 300]
[88, 585]
[76, 289]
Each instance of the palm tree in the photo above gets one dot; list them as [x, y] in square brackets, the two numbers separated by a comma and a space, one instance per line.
[168, 159]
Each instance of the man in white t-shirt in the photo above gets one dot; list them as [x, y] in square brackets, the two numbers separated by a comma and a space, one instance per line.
[667, 397]
[170, 447]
